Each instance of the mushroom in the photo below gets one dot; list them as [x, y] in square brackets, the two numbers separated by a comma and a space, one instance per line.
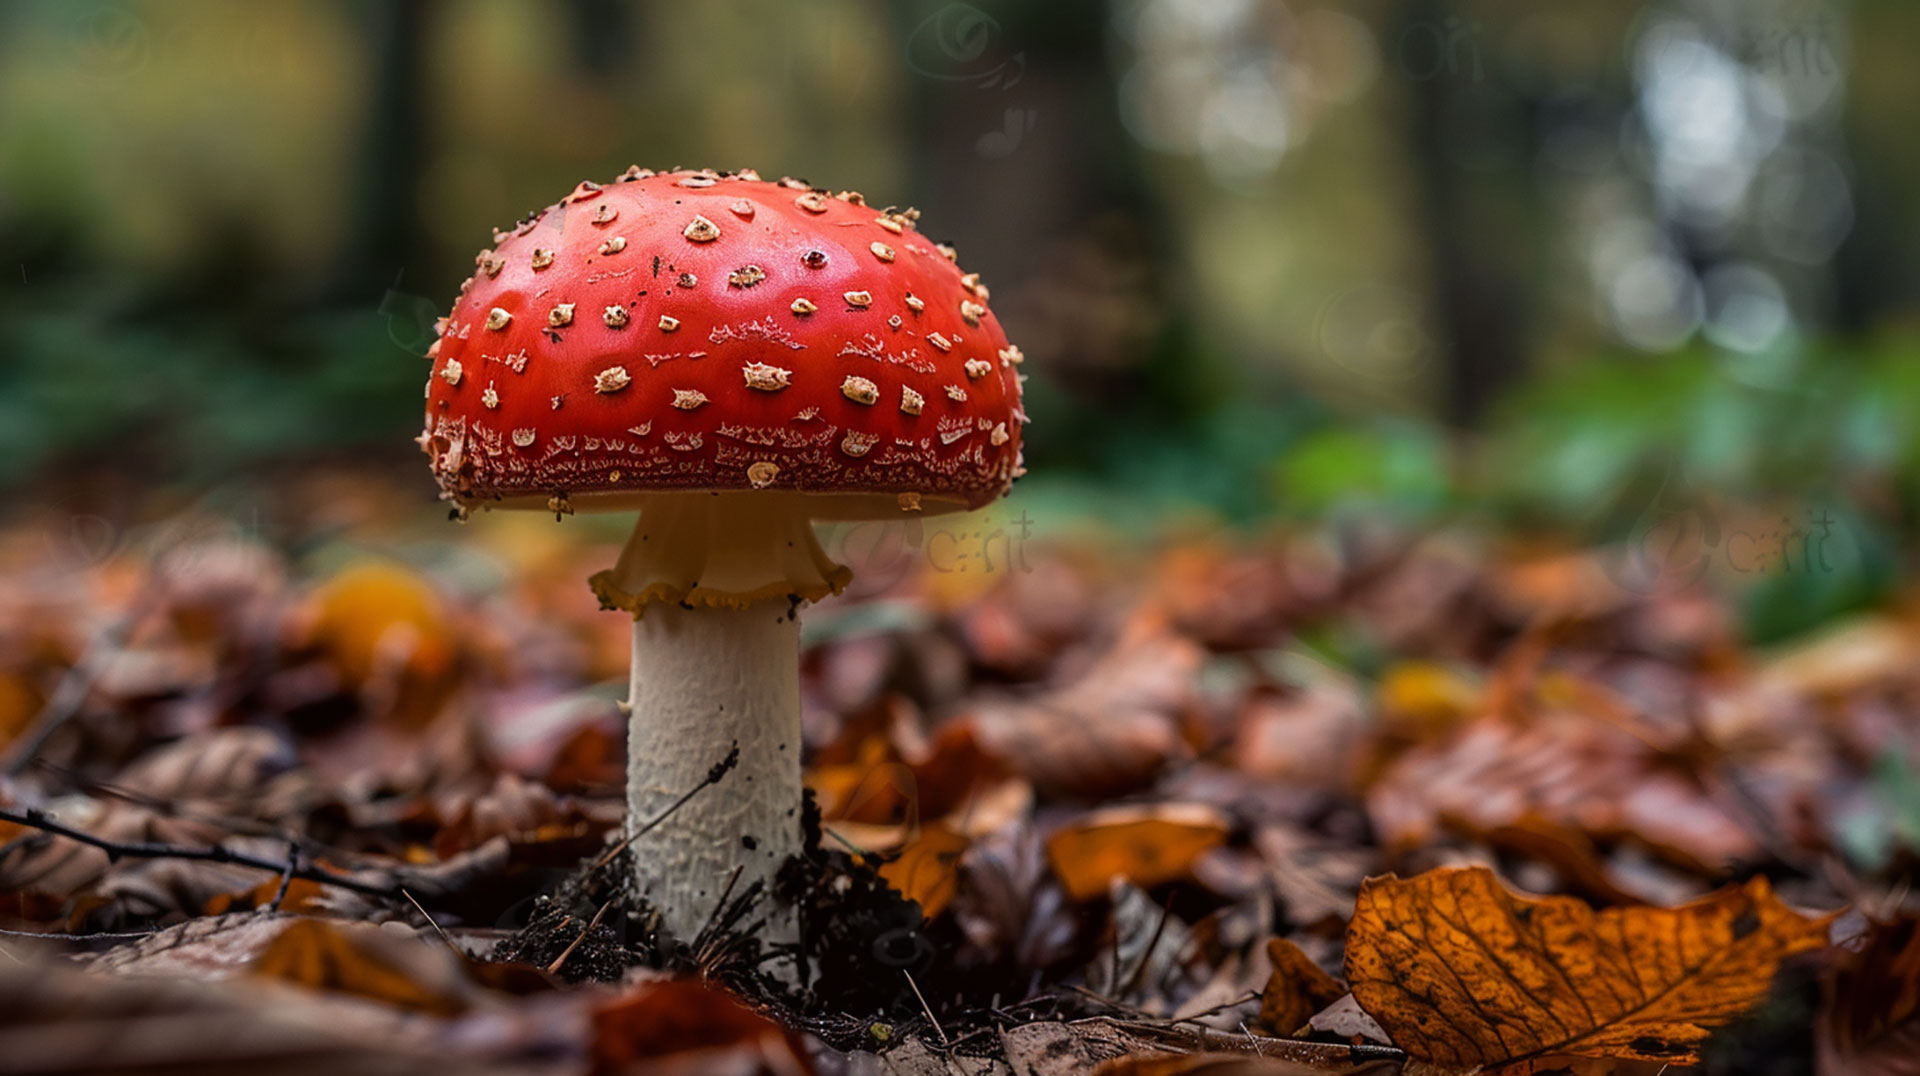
[822, 381]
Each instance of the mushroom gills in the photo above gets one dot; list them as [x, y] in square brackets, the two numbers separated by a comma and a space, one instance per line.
[720, 549]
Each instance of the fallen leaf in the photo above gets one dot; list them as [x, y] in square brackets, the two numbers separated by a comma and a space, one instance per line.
[364, 961]
[927, 870]
[688, 1027]
[1296, 990]
[1558, 770]
[1107, 733]
[1146, 846]
[1871, 1023]
[1462, 971]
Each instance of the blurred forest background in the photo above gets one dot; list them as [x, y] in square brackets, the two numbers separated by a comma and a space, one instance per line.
[1632, 273]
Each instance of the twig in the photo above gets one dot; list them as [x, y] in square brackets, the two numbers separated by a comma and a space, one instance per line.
[928, 1009]
[101, 936]
[286, 876]
[561, 960]
[429, 919]
[719, 770]
[1195, 1018]
[37, 819]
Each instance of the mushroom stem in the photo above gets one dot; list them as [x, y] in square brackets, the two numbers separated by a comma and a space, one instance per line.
[704, 679]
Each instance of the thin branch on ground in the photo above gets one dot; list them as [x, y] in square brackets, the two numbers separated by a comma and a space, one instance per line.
[561, 960]
[36, 819]
[720, 769]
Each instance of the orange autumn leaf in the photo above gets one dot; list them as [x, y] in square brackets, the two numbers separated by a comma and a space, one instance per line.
[301, 896]
[1144, 845]
[927, 870]
[1295, 990]
[1464, 972]
[316, 954]
[688, 1027]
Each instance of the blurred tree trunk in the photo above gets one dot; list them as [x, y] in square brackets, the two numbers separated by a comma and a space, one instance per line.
[1477, 302]
[1016, 133]
[393, 157]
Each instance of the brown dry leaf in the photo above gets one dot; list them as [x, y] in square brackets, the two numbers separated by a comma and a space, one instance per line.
[1871, 1024]
[367, 962]
[1296, 990]
[1146, 846]
[1462, 971]
[1108, 733]
[688, 1027]
[1559, 769]
[928, 869]
[218, 765]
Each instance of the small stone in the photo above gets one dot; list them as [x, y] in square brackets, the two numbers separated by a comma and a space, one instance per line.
[560, 316]
[765, 377]
[611, 379]
[910, 401]
[615, 317]
[860, 390]
[701, 230]
[497, 319]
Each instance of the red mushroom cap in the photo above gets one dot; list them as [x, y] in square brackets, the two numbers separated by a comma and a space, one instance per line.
[693, 331]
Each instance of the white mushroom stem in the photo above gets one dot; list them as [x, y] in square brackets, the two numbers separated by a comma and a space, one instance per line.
[715, 583]
[705, 679]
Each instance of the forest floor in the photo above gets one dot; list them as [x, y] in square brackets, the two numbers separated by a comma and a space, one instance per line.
[347, 797]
